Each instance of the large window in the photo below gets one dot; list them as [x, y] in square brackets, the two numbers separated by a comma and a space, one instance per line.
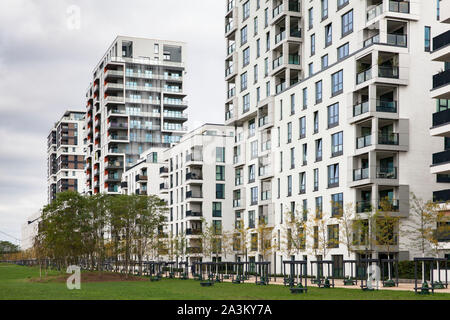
[251, 219]
[333, 115]
[337, 204]
[217, 209]
[319, 91]
[337, 144]
[333, 175]
[324, 4]
[246, 10]
[220, 173]
[305, 98]
[251, 128]
[316, 121]
[220, 154]
[319, 207]
[244, 81]
[310, 18]
[302, 182]
[292, 158]
[246, 56]
[328, 35]
[251, 173]
[319, 150]
[427, 39]
[313, 44]
[289, 132]
[341, 3]
[243, 35]
[220, 191]
[289, 186]
[254, 196]
[305, 153]
[302, 127]
[254, 149]
[347, 23]
[337, 83]
[333, 236]
[343, 51]
[246, 102]
[316, 179]
[324, 61]
[292, 104]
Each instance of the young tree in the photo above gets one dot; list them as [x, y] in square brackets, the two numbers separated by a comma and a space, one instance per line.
[347, 226]
[294, 233]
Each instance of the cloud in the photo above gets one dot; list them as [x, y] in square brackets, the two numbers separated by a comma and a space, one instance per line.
[45, 68]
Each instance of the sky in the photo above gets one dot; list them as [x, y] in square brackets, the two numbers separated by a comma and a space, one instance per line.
[46, 64]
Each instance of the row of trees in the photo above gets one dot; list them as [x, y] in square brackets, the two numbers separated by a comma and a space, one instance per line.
[78, 229]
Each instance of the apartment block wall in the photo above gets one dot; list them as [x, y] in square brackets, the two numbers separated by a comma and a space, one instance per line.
[383, 113]
[65, 155]
[135, 102]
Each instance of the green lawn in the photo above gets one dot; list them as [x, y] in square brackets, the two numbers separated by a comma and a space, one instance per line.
[15, 284]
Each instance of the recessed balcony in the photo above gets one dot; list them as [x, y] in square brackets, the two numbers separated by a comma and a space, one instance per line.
[441, 47]
[284, 8]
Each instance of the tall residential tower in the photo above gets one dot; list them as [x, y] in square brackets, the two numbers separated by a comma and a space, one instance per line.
[135, 102]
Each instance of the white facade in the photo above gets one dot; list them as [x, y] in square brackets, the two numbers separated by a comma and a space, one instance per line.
[198, 182]
[362, 92]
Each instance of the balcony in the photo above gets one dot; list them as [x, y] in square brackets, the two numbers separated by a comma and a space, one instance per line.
[194, 250]
[389, 205]
[386, 106]
[363, 206]
[194, 194]
[291, 7]
[374, 12]
[114, 99]
[441, 163]
[399, 40]
[441, 85]
[194, 176]
[360, 174]
[114, 165]
[441, 196]
[230, 27]
[141, 178]
[363, 76]
[193, 232]
[363, 141]
[399, 6]
[387, 173]
[230, 72]
[163, 171]
[163, 186]
[118, 125]
[194, 157]
[441, 124]
[360, 108]
[191, 213]
[388, 72]
[441, 47]
[389, 139]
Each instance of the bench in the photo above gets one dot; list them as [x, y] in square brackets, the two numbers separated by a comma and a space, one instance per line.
[349, 282]
[389, 283]
[207, 284]
[438, 285]
[297, 290]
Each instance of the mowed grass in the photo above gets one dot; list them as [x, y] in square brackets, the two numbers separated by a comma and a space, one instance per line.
[15, 284]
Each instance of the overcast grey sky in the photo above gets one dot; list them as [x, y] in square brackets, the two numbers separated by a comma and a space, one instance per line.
[45, 68]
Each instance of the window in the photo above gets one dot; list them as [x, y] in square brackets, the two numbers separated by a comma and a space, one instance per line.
[337, 204]
[266, 17]
[246, 103]
[319, 207]
[343, 51]
[292, 104]
[267, 41]
[220, 173]
[302, 182]
[251, 173]
[305, 98]
[305, 209]
[220, 191]
[279, 135]
[324, 9]
[333, 236]
[217, 227]
[156, 49]
[243, 35]
[341, 3]
[266, 67]
[281, 161]
[310, 18]
[254, 149]
[254, 196]
[324, 61]
[238, 177]
[347, 23]
[337, 144]
[220, 154]
[258, 48]
[251, 128]
[319, 91]
[243, 81]
[304, 153]
[333, 175]
[318, 150]
[427, 39]
[328, 35]
[246, 55]
[337, 83]
[302, 127]
[251, 219]
[289, 132]
[255, 74]
[246, 10]
[333, 115]
[292, 158]
[289, 186]
[268, 89]
[313, 44]
[254, 242]
[316, 121]
[279, 188]
[255, 26]
[310, 69]
[258, 95]
[217, 209]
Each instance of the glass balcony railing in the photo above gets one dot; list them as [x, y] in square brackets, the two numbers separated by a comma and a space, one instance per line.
[388, 205]
[363, 206]
[399, 40]
[277, 62]
[388, 138]
[441, 79]
[231, 49]
[386, 106]
[371, 40]
[388, 72]
[441, 157]
[280, 87]
[374, 12]
[386, 173]
[231, 93]
[363, 76]
[277, 11]
[364, 141]
[360, 108]
[229, 115]
[441, 118]
[360, 174]
[294, 59]
[280, 37]
[296, 32]
[229, 70]
[441, 40]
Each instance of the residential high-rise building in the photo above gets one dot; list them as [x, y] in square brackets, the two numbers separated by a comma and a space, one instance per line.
[198, 184]
[439, 49]
[135, 102]
[328, 99]
[65, 155]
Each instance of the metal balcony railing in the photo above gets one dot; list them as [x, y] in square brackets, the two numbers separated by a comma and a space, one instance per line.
[441, 79]
[440, 118]
[441, 40]
[441, 157]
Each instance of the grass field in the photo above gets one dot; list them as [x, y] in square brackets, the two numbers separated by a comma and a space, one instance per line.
[19, 283]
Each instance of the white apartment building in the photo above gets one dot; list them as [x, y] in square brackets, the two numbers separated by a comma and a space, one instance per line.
[65, 155]
[330, 103]
[198, 182]
[135, 102]
[440, 92]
